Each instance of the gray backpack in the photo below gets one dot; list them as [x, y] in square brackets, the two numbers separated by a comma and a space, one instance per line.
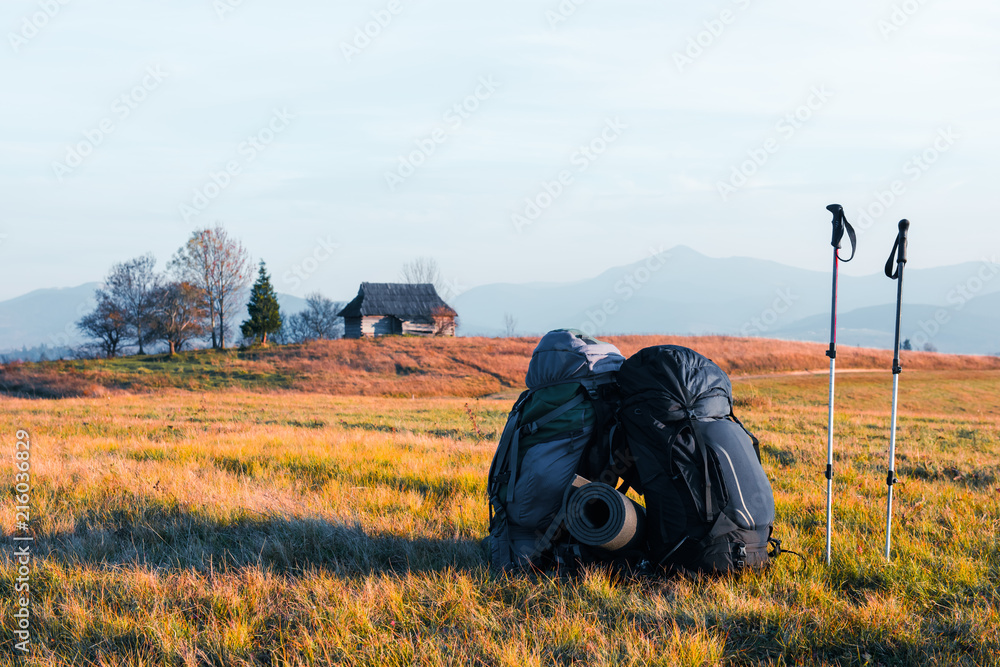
[544, 442]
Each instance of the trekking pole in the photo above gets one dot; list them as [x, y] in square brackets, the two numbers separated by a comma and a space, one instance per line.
[897, 256]
[840, 224]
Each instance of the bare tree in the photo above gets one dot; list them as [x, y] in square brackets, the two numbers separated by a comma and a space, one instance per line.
[318, 321]
[509, 325]
[320, 316]
[107, 324]
[219, 266]
[293, 330]
[425, 270]
[131, 286]
[179, 315]
[420, 270]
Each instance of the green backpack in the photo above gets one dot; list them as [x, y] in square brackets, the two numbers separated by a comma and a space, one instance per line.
[550, 432]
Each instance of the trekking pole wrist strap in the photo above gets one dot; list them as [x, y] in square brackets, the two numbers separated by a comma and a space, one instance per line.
[840, 225]
[853, 237]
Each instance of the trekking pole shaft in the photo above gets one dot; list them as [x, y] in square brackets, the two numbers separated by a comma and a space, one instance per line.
[832, 353]
[829, 467]
[890, 477]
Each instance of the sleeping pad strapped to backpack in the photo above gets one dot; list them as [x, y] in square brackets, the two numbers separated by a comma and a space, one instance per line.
[709, 504]
[552, 433]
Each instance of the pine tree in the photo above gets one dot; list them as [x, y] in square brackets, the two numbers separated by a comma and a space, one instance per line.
[263, 309]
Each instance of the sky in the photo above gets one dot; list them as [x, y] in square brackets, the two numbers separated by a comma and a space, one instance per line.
[512, 142]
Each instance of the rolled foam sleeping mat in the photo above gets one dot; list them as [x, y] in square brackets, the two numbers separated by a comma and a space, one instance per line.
[599, 516]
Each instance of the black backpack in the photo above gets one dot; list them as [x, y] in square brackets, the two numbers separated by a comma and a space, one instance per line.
[709, 504]
[558, 429]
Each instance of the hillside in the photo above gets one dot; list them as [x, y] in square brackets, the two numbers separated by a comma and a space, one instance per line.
[404, 366]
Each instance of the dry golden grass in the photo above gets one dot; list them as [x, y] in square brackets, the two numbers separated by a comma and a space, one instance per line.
[408, 366]
[247, 528]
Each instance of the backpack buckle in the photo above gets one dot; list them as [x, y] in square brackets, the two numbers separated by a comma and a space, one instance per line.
[739, 556]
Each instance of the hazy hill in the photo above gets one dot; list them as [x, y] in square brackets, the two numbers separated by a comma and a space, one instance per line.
[971, 329]
[688, 293]
[45, 316]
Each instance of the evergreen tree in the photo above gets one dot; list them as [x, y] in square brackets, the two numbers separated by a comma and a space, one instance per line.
[263, 309]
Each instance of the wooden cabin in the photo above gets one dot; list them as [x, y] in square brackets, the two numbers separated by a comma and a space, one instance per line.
[382, 309]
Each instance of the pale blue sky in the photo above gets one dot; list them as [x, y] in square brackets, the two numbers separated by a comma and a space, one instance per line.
[681, 127]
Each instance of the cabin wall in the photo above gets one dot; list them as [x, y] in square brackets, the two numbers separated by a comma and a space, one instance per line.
[381, 325]
[386, 325]
[352, 327]
[440, 327]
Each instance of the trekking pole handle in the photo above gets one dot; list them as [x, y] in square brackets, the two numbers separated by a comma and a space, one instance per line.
[904, 228]
[838, 224]
[898, 254]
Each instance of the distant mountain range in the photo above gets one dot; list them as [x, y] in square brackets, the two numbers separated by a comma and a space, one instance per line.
[680, 291]
[954, 308]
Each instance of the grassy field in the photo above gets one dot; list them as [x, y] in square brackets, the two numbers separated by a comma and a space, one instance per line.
[291, 527]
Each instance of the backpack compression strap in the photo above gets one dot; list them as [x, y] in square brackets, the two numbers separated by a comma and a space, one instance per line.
[530, 429]
[753, 438]
[709, 513]
[546, 540]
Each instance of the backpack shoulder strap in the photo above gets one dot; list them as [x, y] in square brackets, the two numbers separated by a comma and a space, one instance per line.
[497, 475]
[533, 427]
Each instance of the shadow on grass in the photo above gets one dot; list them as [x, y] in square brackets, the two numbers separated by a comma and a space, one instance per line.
[173, 539]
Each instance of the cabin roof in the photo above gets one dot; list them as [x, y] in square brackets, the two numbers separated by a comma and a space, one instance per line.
[402, 300]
